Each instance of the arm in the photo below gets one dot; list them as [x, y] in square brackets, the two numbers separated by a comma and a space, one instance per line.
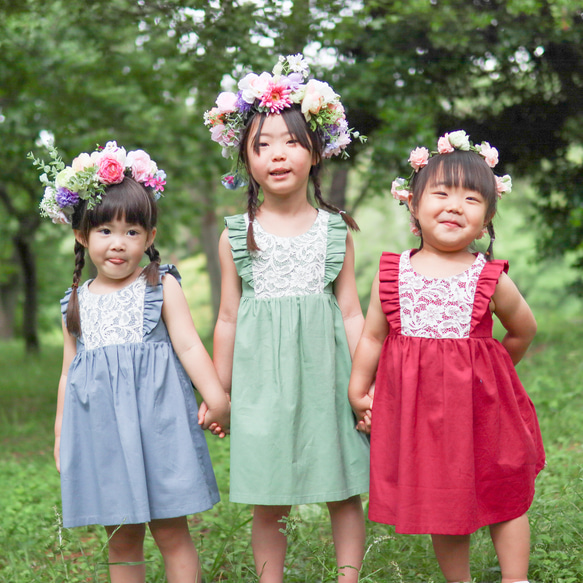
[193, 355]
[347, 296]
[366, 359]
[516, 317]
[224, 336]
[69, 352]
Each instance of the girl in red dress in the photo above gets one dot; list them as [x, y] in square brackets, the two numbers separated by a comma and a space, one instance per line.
[455, 442]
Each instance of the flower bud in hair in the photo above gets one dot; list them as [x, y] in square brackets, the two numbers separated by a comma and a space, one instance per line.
[459, 140]
[490, 154]
[399, 189]
[503, 184]
[419, 158]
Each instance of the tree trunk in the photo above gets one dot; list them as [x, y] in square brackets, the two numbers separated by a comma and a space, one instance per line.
[338, 186]
[22, 244]
[8, 295]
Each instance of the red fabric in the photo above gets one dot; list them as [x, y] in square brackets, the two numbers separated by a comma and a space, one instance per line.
[455, 442]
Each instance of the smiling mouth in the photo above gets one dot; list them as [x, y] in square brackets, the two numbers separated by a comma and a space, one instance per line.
[279, 173]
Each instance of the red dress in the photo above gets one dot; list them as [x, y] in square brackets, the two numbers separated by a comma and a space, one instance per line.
[455, 442]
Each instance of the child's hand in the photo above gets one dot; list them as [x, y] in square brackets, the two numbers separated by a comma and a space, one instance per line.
[57, 453]
[363, 410]
[216, 420]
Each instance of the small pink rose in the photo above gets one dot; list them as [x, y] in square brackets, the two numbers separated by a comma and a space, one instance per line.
[399, 190]
[226, 102]
[444, 145]
[141, 165]
[490, 154]
[419, 158]
[110, 171]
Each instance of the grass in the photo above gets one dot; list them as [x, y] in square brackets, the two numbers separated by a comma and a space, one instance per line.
[36, 549]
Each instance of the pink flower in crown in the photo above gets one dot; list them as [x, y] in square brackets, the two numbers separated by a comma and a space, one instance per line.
[444, 145]
[141, 165]
[399, 189]
[490, 154]
[419, 158]
[503, 184]
[276, 97]
[82, 162]
[110, 171]
[226, 102]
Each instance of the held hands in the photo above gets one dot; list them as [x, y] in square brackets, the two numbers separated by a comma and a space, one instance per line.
[217, 419]
[362, 408]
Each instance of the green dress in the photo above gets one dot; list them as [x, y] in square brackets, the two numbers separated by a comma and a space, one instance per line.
[293, 436]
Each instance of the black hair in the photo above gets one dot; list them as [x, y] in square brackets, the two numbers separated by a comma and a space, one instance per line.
[460, 168]
[129, 201]
[309, 139]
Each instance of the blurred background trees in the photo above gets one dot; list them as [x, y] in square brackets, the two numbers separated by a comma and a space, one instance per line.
[143, 72]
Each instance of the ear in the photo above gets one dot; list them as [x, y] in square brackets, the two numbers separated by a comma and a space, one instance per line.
[316, 158]
[79, 237]
[151, 237]
[410, 204]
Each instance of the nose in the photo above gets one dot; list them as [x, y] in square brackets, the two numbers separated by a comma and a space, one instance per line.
[117, 242]
[454, 204]
[278, 152]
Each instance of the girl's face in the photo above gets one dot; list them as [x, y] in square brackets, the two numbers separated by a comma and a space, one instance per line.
[451, 217]
[116, 249]
[282, 166]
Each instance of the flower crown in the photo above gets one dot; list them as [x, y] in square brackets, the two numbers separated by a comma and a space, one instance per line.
[88, 175]
[459, 140]
[272, 93]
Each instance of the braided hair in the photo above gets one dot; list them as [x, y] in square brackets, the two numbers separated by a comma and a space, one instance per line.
[129, 201]
[308, 139]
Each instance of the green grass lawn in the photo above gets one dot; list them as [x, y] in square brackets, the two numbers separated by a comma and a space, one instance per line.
[35, 547]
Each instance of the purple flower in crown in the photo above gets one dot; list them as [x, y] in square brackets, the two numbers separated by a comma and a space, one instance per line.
[65, 197]
[242, 105]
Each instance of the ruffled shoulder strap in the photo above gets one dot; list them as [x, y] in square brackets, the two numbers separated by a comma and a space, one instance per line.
[335, 246]
[237, 226]
[389, 289]
[154, 298]
[481, 324]
[65, 303]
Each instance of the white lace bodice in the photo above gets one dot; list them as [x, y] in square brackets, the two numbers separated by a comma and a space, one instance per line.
[437, 308]
[114, 318]
[290, 266]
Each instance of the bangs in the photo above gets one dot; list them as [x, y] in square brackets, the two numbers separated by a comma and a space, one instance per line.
[127, 201]
[297, 127]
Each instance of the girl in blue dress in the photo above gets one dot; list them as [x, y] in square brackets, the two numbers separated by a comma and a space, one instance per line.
[128, 443]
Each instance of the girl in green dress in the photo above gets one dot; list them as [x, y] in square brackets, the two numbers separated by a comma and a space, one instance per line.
[290, 317]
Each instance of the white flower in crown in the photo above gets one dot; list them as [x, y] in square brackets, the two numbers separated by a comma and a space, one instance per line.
[459, 140]
[317, 95]
[253, 86]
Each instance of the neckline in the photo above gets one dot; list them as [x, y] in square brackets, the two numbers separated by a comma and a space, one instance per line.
[312, 226]
[115, 291]
[478, 259]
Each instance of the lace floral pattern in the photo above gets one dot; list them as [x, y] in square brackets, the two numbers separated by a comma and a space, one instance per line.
[437, 308]
[290, 266]
[114, 318]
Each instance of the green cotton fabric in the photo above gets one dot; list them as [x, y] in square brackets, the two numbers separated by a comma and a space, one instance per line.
[293, 436]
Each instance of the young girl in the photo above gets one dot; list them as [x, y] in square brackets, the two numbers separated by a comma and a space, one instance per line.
[455, 442]
[289, 318]
[127, 444]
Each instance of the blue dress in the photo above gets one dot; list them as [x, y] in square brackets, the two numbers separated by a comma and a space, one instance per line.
[131, 447]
